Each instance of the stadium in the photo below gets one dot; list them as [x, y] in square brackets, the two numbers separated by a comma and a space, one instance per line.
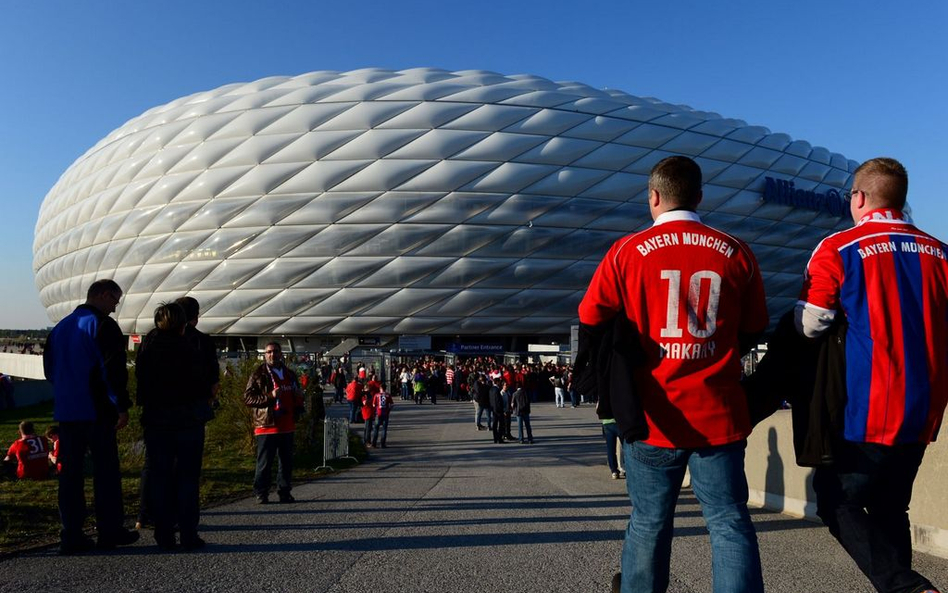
[468, 206]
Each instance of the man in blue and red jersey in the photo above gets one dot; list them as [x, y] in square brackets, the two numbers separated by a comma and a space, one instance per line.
[890, 280]
[696, 299]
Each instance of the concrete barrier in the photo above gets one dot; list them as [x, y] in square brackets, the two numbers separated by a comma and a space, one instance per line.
[776, 482]
[23, 366]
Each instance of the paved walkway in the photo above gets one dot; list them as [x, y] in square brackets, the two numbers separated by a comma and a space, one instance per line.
[444, 510]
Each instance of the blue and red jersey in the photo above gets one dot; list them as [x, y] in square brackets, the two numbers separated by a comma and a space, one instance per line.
[890, 279]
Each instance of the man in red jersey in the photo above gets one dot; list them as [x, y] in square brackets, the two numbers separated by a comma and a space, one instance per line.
[277, 400]
[890, 280]
[30, 453]
[695, 298]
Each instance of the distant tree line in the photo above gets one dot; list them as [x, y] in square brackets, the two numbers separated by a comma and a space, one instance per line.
[24, 335]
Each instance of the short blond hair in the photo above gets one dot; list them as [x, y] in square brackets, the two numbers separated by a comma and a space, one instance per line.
[890, 181]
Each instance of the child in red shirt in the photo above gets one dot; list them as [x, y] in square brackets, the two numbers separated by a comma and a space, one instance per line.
[30, 453]
[52, 434]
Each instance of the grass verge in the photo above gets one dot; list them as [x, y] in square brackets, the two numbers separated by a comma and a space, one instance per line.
[29, 515]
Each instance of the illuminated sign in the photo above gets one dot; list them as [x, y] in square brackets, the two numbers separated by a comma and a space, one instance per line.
[781, 191]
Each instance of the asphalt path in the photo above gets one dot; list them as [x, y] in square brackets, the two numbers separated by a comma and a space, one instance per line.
[443, 509]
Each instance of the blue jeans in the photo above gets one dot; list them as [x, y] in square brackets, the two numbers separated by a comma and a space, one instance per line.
[355, 408]
[523, 420]
[653, 478]
[381, 425]
[611, 433]
[479, 413]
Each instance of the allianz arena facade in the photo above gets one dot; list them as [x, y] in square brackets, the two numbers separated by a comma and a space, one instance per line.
[386, 203]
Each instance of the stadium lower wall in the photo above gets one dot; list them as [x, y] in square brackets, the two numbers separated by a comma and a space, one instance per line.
[776, 482]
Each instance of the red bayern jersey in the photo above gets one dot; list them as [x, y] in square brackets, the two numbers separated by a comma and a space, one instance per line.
[689, 290]
[32, 455]
[288, 400]
[891, 281]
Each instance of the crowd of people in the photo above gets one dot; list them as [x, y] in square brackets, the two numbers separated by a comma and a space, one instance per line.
[22, 347]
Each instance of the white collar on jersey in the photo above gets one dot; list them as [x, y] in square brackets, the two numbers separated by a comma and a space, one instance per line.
[676, 216]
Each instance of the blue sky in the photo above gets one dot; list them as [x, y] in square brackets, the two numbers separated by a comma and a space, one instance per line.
[861, 78]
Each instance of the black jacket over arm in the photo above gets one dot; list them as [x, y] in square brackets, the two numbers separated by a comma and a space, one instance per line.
[810, 373]
[608, 352]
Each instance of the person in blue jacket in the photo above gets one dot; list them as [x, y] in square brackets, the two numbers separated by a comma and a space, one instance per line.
[85, 360]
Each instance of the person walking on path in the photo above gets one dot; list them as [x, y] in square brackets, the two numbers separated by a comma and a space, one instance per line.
[85, 360]
[559, 389]
[498, 411]
[382, 403]
[338, 380]
[890, 281]
[368, 417]
[481, 400]
[418, 381]
[275, 396]
[695, 296]
[354, 397]
[521, 409]
[610, 432]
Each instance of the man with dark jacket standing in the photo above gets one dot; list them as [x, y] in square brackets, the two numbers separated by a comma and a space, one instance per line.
[204, 346]
[275, 396]
[696, 300]
[85, 361]
[889, 279]
[498, 411]
[173, 393]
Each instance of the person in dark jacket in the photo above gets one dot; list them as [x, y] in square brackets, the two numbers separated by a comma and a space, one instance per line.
[481, 397]
[520, 404]
[338, 380]
[506, 392]
[497, 409]
[173, 393]
[84, 359]
[277, 401]
[205, 347]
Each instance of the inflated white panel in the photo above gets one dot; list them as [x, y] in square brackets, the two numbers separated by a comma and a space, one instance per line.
[413, 201]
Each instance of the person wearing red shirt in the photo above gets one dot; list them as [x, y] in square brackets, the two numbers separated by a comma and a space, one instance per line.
[696, 299]
[368, 414]
[52, 434]
[353, 396]
[890, 281]
[277, 400]
[31, 454]
[382, 404]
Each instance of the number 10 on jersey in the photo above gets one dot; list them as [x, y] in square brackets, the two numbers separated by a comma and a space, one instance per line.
[704, 287]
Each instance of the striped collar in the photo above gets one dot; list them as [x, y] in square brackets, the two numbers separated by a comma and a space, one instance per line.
[889, 215]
